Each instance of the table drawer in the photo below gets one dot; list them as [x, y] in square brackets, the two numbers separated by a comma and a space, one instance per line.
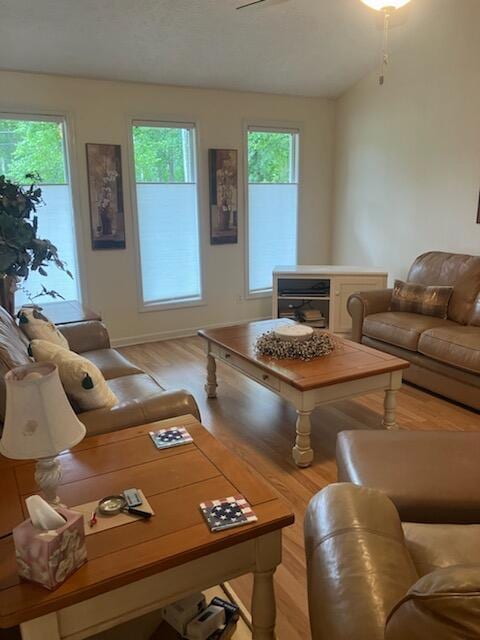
[246, 367]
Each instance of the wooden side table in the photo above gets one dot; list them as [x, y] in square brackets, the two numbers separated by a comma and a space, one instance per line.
[144, 565]
[68, 312]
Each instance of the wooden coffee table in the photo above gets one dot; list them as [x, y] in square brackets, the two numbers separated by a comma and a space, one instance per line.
[352, 369]
[141, 566]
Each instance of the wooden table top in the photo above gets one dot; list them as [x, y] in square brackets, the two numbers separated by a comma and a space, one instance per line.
[349, 361]
[68, 312]
[175, 481]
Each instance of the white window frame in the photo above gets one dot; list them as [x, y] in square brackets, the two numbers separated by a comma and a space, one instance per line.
[69, 149]
[293, 128]
[160, 305]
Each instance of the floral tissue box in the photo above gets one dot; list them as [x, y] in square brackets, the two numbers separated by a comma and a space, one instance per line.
[50, 557]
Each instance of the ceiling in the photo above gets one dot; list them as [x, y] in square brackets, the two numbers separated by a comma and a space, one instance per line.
[299, 47]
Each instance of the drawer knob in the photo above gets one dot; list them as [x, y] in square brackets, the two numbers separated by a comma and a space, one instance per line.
[227, 355]
[265, 377]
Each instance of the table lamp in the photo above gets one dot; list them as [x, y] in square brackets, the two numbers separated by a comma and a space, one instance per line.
[39, 423]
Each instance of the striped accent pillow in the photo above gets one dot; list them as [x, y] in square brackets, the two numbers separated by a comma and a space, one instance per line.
[417, 298]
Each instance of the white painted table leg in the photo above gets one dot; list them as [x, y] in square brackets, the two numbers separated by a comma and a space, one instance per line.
[211, 385]
[268, 556]
[263, 606]
[302, 451]
[41, 628]
[390, 402]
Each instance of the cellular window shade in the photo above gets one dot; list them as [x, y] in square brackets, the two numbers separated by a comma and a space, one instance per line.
[55, 222]
[272, 231]
[169, 248]
[167, 210]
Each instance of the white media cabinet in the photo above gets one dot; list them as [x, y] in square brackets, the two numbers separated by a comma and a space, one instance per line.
[322, 287]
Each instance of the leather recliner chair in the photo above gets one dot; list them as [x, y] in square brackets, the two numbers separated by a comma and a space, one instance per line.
[393, 549]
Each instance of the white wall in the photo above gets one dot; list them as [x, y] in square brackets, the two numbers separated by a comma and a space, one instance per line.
[408, 153]
[99, 112]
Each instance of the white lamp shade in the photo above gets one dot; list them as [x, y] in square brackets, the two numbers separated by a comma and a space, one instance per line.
[380, 5]
[39, 421]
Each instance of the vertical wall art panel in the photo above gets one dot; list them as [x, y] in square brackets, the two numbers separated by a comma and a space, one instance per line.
[223, 170]
[105, 192]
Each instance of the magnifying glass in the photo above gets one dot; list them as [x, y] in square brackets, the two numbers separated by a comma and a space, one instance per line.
[113, 505]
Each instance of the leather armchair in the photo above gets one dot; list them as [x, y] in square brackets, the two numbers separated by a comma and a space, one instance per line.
[397, 558]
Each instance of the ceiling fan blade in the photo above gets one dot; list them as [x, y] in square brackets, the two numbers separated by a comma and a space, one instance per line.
[250, 4]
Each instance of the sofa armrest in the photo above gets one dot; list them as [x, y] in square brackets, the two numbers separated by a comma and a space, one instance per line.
[86, 336]
[362, 304]
[444, 604]
[358, 565]
[431, 476]
[133, 412]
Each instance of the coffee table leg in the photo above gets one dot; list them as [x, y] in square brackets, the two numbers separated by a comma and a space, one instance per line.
[211, 386]
[390, 402]
[302, 451]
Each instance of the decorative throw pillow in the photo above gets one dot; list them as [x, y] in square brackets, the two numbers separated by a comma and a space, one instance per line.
[82, 380]
[417, 298]
[36, 326]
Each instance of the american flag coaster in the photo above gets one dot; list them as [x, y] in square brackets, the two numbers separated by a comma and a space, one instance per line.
[226, 513]
[173, 437]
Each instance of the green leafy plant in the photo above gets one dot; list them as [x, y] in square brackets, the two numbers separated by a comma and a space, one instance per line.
[21, 250]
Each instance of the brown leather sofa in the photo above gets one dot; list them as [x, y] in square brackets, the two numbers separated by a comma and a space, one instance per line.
[140, 398]
[395, 556]
[444, 354]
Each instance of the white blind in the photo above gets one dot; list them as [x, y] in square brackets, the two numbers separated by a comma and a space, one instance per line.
[55, 222]
[167, 210]
[168, 232]
[272, 231]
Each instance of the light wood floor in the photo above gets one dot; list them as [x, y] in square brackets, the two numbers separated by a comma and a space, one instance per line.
[259, 427]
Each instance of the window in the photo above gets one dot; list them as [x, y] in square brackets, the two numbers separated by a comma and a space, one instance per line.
[37, 145]
[168, 226]
[272, 203]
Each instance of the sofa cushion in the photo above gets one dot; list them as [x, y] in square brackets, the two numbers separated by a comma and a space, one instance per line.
[138, 396]
[460, 271]
[111, 363]
[455, 345]
[443, 605]
[13, 352]
[83, 382]
[475, 317]
[435, 546]
[418, 298]
[13, 344]
[400, 328]
[465, 292]
[37, 326]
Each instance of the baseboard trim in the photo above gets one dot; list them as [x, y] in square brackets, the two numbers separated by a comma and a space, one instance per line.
[175, 333]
